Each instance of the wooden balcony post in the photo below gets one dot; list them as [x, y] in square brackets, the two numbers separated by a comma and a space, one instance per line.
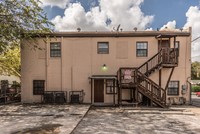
[114, 92]
[136, 82]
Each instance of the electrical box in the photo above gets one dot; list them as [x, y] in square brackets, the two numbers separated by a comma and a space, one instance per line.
[184, 89]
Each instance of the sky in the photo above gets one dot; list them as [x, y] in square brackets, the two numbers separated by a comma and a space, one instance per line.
[101, 15]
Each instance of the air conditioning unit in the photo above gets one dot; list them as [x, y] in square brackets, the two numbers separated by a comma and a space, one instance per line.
[60, 97]
[75, 98]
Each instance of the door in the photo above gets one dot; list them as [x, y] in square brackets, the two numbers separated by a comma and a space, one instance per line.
[98, 90]
[163, 44]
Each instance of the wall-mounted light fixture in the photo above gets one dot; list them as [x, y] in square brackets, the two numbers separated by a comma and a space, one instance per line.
[104, 67]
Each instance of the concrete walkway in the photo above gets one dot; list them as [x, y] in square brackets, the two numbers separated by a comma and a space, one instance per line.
[176, 120]
[76, 119]
[40, 119]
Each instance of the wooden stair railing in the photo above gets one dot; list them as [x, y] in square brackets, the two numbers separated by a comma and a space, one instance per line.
[127, 77]
[152, 64]
[151, 90]
[165, 57]
[138, 77]
[170, 56]
[131, 77]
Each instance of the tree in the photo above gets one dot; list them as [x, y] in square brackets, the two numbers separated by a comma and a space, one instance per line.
[195, 74]
[19, 19]
[10, 62]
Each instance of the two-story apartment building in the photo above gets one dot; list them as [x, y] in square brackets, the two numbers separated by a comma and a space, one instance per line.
[144, 67]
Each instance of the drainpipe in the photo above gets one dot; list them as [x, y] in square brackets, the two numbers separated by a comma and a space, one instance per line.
[190, 85]
[61, 64]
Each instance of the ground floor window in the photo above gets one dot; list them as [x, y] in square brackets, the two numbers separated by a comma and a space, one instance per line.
[110, 87]
[38, 87]
[173, 88]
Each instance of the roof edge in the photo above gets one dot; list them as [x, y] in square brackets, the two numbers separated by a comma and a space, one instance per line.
[119, 34]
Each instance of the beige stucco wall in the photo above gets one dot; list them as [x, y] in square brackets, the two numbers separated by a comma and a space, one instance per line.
[80, 60]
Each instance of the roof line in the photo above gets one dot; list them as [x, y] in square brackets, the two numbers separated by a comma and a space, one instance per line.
[120, 34]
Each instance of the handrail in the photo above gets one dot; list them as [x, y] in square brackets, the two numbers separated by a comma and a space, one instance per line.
[138, 79]
[152, 87]
[151, 63]
[164, 56]
[155, 84]
[128, 78]
[170, 56]
[150, 59]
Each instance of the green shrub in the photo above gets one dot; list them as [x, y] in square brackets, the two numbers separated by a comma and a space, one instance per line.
[195, 88]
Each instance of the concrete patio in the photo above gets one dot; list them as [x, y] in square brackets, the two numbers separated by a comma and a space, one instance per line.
[37, 119]
[81, 119]
[181, 120]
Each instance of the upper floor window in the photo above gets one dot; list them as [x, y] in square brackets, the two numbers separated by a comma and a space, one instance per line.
[142, 48]
[173, 88]
[103, 48]
[177, 46]
[55, 49]
[38, 87]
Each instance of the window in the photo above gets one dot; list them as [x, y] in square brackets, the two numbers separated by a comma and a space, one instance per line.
[141, 49]
[55, 49]
[177, 46]
[110, 86]
[38, 87]
[103, 48]
[173, 88]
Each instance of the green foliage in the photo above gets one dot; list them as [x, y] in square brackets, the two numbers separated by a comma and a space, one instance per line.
[10, 62]
[21, 19]
[195, 88]
[195, 70]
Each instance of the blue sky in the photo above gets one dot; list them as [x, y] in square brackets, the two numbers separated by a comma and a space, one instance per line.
[163, 10]
[97, 15]
[168, 10]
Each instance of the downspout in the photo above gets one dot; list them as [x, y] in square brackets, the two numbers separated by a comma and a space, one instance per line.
[46, 64]
[190, 90]
[61, 63]
[46, 67]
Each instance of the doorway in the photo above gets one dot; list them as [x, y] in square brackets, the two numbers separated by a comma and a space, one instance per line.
[99, 90]
[163, 44]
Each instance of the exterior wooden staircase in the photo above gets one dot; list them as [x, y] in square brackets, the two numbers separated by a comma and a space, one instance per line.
[138, 78]
[166, 58]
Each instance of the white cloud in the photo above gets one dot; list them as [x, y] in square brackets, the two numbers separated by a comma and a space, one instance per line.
[58, 3]
[75, 16]
[149, 29]
[193, 20]
[107, 15]
[171, 25]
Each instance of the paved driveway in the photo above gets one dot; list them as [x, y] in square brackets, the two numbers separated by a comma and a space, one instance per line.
[120, 121]
[64, 119]
[40, 119]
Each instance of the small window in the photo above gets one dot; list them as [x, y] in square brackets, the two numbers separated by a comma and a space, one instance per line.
[141, 49]
[38, 87]
[103, 48]
[55, 49]
[173, 88]
[177, 44]
[110, 87]
[177, 47]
